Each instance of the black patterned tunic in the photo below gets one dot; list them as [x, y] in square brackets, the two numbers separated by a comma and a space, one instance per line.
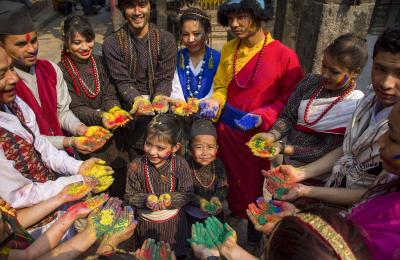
[174, 231]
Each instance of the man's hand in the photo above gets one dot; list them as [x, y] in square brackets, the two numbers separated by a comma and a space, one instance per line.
[161, 104]
[81, 129]
[141, 106]
[95, 167]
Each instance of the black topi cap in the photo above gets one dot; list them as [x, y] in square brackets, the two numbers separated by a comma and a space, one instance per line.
[15, 19]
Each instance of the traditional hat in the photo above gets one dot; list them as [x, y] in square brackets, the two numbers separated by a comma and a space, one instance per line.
[261, 9]
[202, 127]
[15, 19]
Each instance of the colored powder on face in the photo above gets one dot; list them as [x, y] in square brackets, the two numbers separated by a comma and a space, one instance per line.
[27, 38]
[342, 81]
[262, 220]
[396, 159]
[107, 217]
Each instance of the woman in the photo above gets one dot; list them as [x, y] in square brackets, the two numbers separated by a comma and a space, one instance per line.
[94, 99]
[197, 63]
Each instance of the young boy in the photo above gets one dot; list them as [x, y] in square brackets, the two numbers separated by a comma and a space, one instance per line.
[208, 172]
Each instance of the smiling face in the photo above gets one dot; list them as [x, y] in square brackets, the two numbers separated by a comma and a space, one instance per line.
[204, 149]
[80, 48]
[23, 48]
[193, 36]
[138, 14]
[390, 143]
[385, 77]
[334, 76]
[158, 150]
[8, 78]
[242, 24]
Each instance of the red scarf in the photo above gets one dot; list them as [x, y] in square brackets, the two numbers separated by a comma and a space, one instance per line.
[46, 114]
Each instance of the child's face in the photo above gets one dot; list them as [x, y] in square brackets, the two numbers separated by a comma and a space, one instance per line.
[158, 150]
[385, 76]
[334, 76]
[204, 149]
[390, 143]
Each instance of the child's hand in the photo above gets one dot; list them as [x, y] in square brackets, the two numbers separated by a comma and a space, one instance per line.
[82, 209]
[217, 203]
[152, 202]
[164, 201]
[203, 205]
[151, 250]
[248, 122]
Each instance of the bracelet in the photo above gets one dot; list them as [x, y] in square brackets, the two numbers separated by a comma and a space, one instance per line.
[282, 147]
[70, 141]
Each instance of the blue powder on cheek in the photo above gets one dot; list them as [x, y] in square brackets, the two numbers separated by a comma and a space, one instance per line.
[248, 122]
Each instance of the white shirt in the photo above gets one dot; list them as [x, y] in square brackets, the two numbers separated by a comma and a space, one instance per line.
[177, 92]
[66, 118]
[19, 191]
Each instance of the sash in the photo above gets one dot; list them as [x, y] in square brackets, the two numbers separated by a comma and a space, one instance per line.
[360, 146]
[229, 114]
[159, 215]
[207, 75]
[46, 114]
[335, 121]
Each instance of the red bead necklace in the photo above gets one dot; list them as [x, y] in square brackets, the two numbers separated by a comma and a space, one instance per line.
[258, 64]
[149, 185]
[337, 100]
[68, 64]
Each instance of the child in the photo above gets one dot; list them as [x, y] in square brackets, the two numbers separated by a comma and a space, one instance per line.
[159, 185]
[316, 115]
[208, 173]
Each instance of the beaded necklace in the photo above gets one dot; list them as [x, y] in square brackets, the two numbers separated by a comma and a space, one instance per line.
[337, 100]
[149, 185]
[198, 179]
[258, 64]
[75, 74]
[188, 78]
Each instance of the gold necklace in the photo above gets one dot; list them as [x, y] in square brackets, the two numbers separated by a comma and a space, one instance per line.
[198, 179]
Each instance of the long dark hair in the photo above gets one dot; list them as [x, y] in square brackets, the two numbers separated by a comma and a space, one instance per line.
[294, 239]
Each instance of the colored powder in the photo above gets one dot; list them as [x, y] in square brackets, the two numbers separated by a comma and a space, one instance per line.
[107, 217]
[77, 188]
[248, 122]
[396, 159]
[261, 220]
[279, 192]
[120, 225]
[94, 202]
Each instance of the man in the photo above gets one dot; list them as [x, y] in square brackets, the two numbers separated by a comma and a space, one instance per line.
[42, 85]
[265, 73]
[357, 164]
[141, 60]
[28, 161]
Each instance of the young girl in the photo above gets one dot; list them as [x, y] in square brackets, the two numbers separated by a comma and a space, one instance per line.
[159, 185]
[208, 173]
[315, 118]
[93, 97]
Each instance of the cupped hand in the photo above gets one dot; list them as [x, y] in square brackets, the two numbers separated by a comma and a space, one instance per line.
[95, 167]
[141, 106]
[76, 191]
[291, 174]
[209, 108]
[297, 191]
[161, 104]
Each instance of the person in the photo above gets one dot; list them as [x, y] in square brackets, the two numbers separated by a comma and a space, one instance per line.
[310, 119]
[197, 63]
[208, 173]
[141, 61]
[93, 96]
[16, 243]
[159, 185]
[42, 85]
[33, 168]
[265, 73]
[317, 233]
[358, 164]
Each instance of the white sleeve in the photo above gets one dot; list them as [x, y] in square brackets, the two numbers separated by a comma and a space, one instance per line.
[21, 192]
[176, 92]
[56, 141]
[58, 160]
[68, 120]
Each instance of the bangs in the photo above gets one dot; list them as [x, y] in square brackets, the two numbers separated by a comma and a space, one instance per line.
[158, 136]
